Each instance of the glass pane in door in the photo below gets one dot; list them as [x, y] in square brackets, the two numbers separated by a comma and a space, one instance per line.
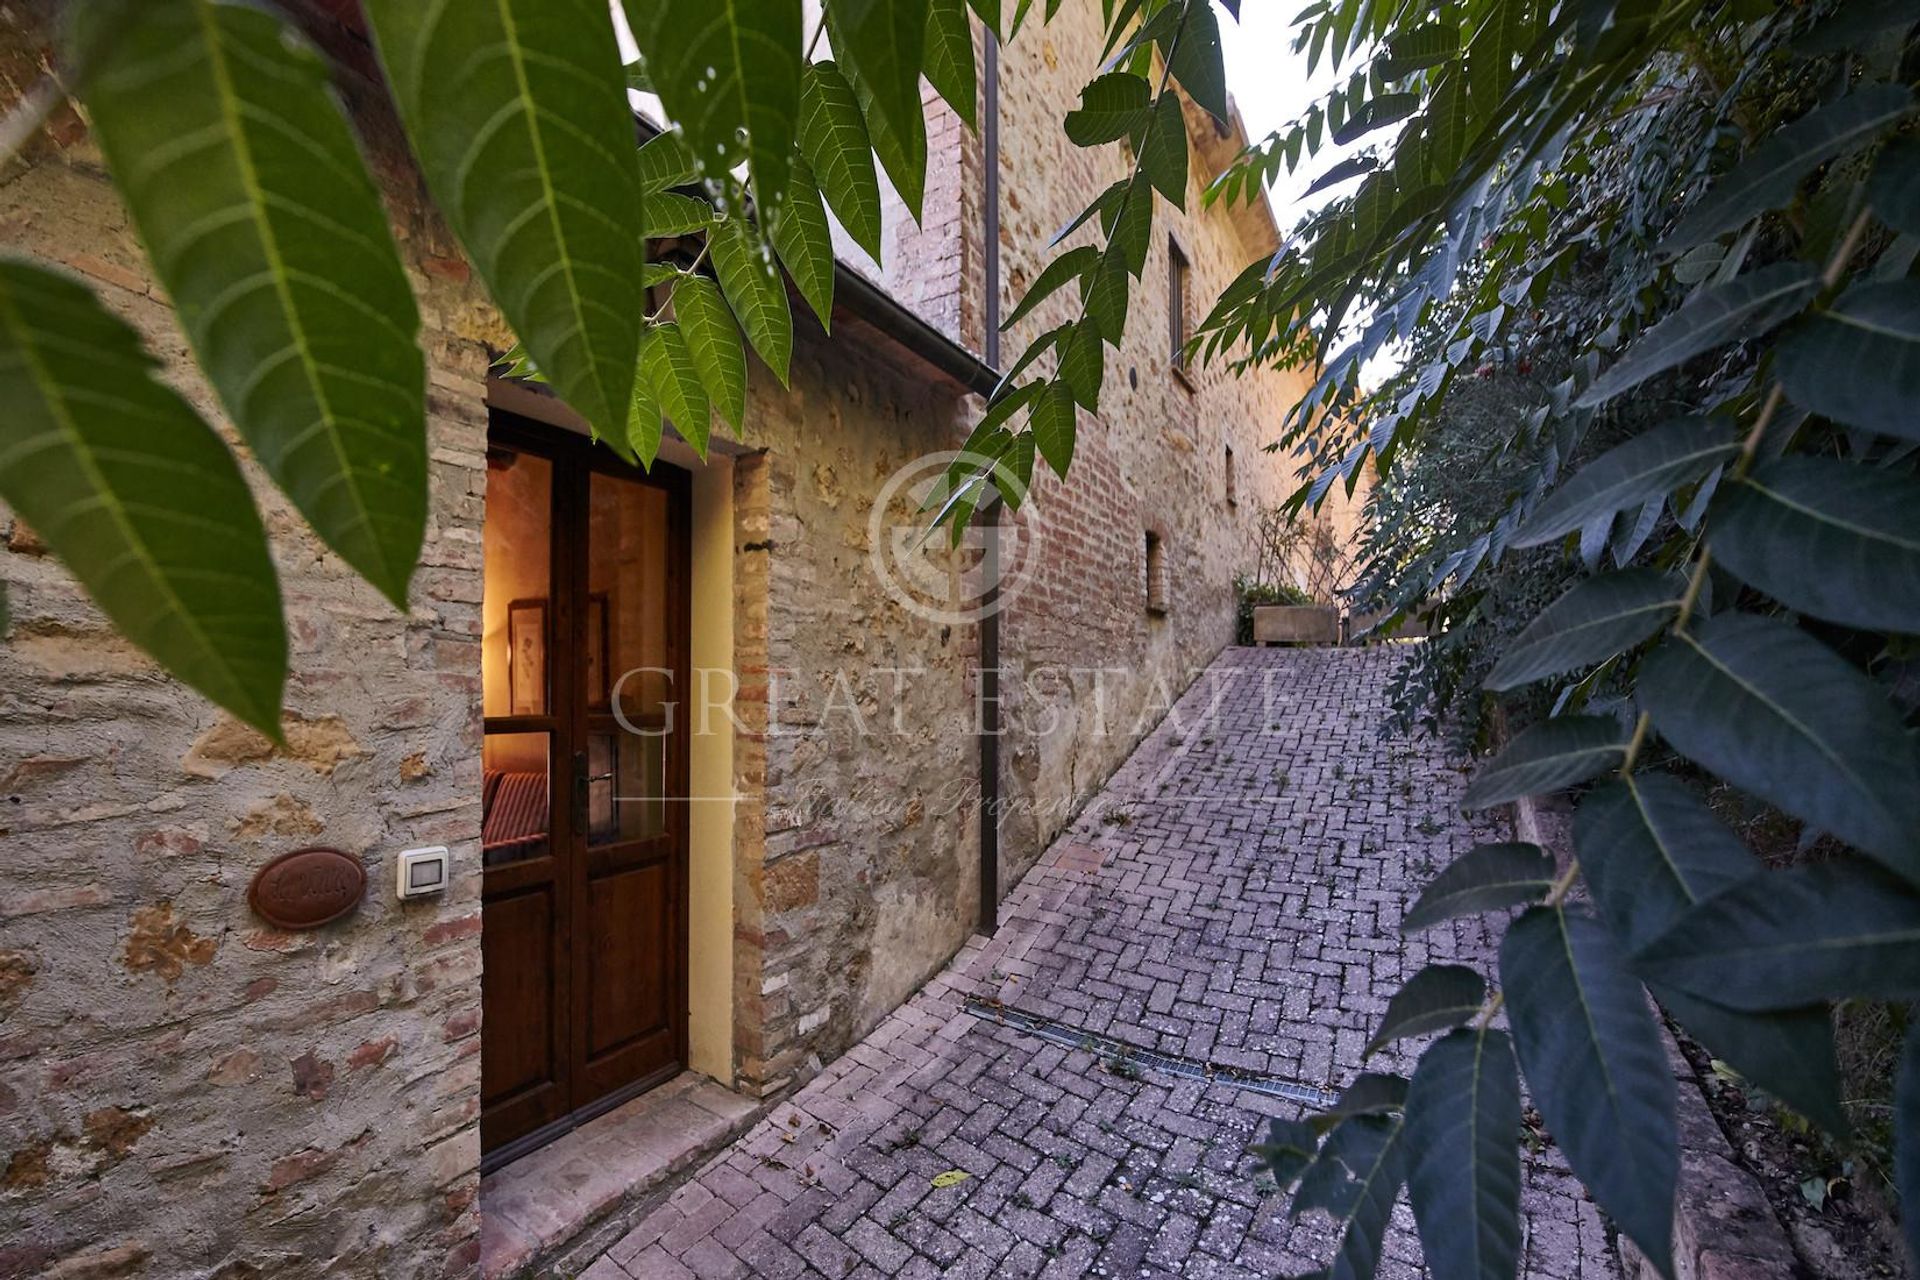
[626, 795]
[628, 663]
[516, 812]
[516, 618]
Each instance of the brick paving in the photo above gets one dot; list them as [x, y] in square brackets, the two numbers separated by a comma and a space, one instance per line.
[1232, 896]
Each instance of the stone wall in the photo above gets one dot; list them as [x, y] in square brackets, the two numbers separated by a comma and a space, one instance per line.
[853, 881]
[1090, 668]
[868, 882]
[184, 1090]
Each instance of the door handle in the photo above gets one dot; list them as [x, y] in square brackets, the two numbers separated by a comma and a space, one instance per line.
[580, 782]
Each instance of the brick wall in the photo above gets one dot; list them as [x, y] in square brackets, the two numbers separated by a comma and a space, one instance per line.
[854, 866]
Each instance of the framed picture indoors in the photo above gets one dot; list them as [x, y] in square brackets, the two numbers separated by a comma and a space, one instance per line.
[527, 657]
[598, 691]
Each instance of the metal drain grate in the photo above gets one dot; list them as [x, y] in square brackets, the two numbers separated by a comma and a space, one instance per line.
[1057, 1032]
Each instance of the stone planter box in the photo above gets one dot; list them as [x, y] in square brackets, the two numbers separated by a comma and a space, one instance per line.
[1296, 624]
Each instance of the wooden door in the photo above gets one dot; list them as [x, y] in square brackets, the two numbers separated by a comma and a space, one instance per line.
[584, 833]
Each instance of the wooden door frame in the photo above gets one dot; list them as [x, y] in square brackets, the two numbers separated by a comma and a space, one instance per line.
[575, 459]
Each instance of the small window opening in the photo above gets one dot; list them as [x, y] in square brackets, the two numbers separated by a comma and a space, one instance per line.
[1177, 325]
[1156, 576]
[1233, 489]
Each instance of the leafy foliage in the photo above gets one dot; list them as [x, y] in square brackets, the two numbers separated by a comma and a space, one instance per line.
[88, 428]
[265, 228]
[1646, 269]
[243, 178]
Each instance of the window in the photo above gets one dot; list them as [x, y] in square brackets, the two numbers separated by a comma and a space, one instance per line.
[1233, 494]
[1177, 328]
[1156, 576]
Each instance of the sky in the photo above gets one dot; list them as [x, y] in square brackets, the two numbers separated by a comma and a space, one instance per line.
[1269, 84]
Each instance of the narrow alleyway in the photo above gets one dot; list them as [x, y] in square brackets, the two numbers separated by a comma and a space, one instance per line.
[1232, 897]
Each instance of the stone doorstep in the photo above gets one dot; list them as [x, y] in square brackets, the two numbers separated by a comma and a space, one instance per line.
[551, 1212]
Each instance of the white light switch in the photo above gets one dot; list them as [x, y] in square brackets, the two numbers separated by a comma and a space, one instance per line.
[421, 872]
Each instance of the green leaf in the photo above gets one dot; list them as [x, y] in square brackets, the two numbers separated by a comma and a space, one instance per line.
[1375, 113]
[755, 292]
[1547, 756]
[713, 342]
[1789, 938]
[1196, 61]
[1778, 714]
[136, 495]
[1894, 189]
[1113, 106]
[1356, 1178]
[1449, 126]
[949, 56]
[1833, 539]
[1744, 307]
[1771, 172]
[1035, 349]
[517, 114]
[669, 213]
[1103, 297]
[1372, 1093]
[880, 45]
[1596, 619]
[243, 179]
[665, 163]
[1462, 1128]
[1083, 364]
[1906, 1138]
[1132, 232]
[1787, 1052]
[1103, 205]
[1417, 48]
[1013, 470]
[1649, 465]
[728, 73]
[644, 425]
[1598, 1071]
[1438, 998]
[1859, 361]
[1289, 1149]
[1854, 27]
[1351, 167]
[669, 368]
[804, 242]
[1053, 426]
[1056, 275]
[1163, 155]
[833, 138]
[1488, 877]
[1650, 848]
[1004, 408]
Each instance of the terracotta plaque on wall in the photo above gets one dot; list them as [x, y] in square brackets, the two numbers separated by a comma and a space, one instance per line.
[307, 888]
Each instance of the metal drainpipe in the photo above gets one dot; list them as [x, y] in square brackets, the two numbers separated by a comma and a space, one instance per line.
[989, 518]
